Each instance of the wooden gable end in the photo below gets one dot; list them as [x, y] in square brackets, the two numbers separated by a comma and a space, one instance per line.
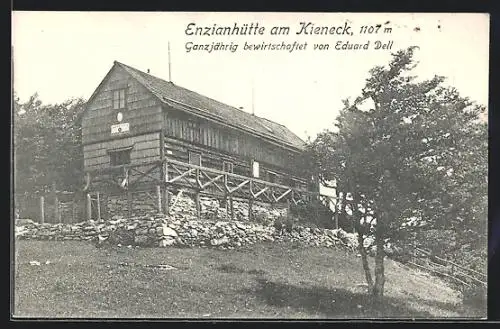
[141, 110]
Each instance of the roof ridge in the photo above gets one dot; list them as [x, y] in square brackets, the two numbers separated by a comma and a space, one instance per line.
[213, 107]
[272, 121]
[212, 99]
[192, 91]
[142, 72]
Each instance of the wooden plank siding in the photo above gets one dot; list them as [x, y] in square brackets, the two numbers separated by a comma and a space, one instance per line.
[145, 180]
[145, 148]
[142, 110]
[217, 144]
[210, 158]
[153, 123]
[215, 139]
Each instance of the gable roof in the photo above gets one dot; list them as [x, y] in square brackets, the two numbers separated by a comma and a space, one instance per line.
[190, 101]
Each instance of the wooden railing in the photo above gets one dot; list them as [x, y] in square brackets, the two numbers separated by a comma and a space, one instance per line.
[451, 270]
[177, 173]
[228, 183]
[169, 174]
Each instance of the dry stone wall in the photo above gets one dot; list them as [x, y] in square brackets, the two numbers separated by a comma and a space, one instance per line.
[117, 205]
[159, 231]
[183, 229]
[183, 205]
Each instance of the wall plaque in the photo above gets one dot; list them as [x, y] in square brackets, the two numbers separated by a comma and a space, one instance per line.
[120, 128]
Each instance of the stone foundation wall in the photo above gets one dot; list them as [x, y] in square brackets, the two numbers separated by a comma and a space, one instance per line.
[184, 205]
[142, 204]
[149, 228]
[158, 231]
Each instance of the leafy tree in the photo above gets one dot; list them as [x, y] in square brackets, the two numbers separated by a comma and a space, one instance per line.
[416, 159]
[47, 145]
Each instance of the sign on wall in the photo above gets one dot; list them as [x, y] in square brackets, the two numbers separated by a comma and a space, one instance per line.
[120, 128]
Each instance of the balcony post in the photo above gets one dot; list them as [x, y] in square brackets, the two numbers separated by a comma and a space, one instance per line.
[198, 205]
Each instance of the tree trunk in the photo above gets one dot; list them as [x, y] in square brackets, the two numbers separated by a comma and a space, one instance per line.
[378, 287]
[340, 208]
[364, 260]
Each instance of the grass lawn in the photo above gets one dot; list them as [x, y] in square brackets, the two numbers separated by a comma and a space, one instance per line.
[264, 281]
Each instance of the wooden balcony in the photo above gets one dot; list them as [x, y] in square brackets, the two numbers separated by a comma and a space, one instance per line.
[175, 175]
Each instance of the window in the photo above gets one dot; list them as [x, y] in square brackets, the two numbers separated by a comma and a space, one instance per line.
[118, 99]
[227, 167]
[255, 169]
[195, 158]
[121, 157]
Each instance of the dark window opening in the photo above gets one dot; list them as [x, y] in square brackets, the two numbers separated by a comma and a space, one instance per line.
[195, 158]
[227, 167]
[118, 99]
[118, 158]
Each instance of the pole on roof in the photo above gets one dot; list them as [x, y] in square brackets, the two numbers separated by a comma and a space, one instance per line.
[253, 99]
[169, 64]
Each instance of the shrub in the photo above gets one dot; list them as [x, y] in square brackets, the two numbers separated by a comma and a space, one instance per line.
[346, 222]
[313, 213]
[284, 224]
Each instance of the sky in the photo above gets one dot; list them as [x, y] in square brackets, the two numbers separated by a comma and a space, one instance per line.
[61, 55]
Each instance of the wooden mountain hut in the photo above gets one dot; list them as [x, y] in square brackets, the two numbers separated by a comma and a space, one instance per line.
[142, 133]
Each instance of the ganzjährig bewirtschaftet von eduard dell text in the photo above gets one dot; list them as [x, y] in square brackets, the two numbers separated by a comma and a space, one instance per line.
[302, 29]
